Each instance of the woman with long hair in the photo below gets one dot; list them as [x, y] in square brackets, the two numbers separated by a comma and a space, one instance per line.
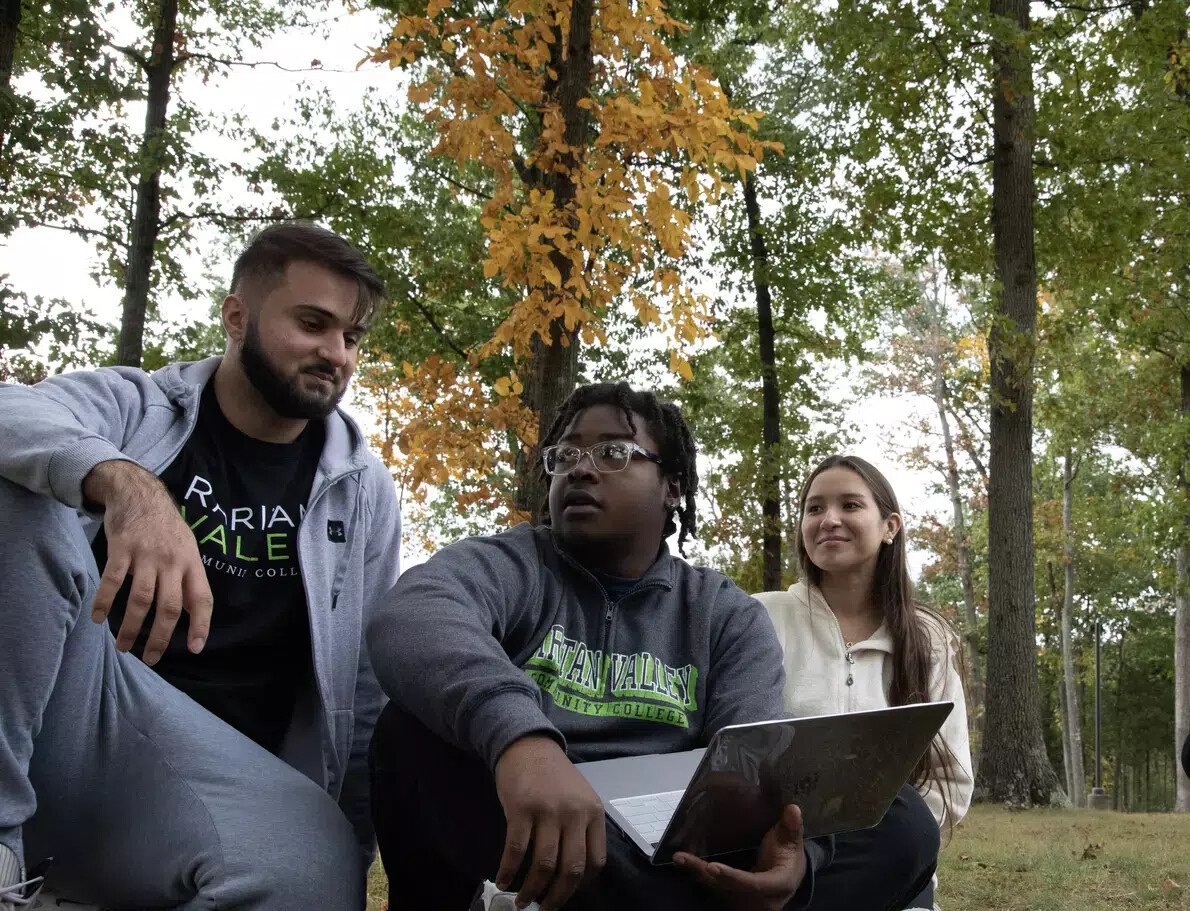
[853, 637]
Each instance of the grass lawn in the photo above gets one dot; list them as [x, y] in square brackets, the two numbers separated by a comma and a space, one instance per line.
[1066, 860]
[1049, 860]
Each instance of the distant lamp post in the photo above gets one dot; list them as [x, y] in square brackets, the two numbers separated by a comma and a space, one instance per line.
[1098, 799]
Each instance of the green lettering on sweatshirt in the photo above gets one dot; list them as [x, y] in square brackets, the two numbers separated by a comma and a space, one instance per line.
[585, 681]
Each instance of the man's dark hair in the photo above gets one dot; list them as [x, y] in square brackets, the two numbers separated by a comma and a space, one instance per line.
[263, 263]
[665, 423]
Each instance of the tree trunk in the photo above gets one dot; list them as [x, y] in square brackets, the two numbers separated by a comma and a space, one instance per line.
[146, 220]
[1181, 646]
[1074, 735]
[10, 20]
[1063, 706]
[1014, 767]
[554, 369]
[1148, 781]
[770, 449]
[1063, 702]
[1118, 770]
[554, 372]
[958, 522]
[1181, 662]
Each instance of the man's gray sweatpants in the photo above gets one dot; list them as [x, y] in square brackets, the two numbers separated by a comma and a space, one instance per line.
[142, 797]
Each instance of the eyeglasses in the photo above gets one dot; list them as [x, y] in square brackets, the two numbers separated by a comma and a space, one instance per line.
[608, 456]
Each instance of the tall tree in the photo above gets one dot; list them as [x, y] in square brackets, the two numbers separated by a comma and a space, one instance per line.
[10, 22]
[1181, 706]
[59, 78]
[936, 352]
[596, 140]
[158, 67]
[943, 404]
[770, 443]
[72, 159]
[1116, 126]
[1076, 781]
[1013, 763]
[788, 250]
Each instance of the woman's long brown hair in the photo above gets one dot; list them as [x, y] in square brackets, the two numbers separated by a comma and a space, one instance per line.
[892, 591]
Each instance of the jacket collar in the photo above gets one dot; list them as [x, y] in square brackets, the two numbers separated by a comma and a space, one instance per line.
[812, 597]
[343, 452]
[659, 575]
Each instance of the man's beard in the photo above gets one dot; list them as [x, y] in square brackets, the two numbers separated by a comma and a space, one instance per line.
[281, 394]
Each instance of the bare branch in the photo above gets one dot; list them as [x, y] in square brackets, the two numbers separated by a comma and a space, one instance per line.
[79, 231]
[442, 333]
[441, 175]
[253, 64]
[239, 217]
[131, 53]
[1094, 10]
[975, 106]
[965, 436]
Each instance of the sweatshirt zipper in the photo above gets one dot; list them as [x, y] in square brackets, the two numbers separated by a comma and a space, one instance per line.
[609, 605]
[849, 662]
[318, 690]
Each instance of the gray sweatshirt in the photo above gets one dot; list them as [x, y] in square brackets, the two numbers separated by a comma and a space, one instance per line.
[55, 432]
[498, 637]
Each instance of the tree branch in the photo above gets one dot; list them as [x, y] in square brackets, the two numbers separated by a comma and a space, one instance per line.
[253, 64]
[131, 53]
[1107, 8]
[458, 183]
[239, 217]
[969, 449]
[977, 108]
[969, 161]
[429, 318]
[79, 231]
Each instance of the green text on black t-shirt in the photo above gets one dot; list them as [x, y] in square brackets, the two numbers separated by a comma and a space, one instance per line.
[244, 499]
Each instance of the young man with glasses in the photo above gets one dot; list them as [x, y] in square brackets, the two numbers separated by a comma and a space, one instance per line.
[508, 658]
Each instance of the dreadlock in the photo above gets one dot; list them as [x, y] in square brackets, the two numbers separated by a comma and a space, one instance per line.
[664, 422]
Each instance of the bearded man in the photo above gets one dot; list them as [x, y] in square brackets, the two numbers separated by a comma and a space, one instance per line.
[190, 558]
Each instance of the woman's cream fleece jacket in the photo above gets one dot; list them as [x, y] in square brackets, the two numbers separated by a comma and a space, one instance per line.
[823, 676]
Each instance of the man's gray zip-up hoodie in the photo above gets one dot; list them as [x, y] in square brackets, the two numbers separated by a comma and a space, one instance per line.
[497, 637]
[54, 433]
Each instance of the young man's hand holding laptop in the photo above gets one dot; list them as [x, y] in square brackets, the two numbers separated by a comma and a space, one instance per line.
[752, 796]
[841, 771]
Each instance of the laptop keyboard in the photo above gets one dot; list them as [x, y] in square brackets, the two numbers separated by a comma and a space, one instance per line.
[649, 813]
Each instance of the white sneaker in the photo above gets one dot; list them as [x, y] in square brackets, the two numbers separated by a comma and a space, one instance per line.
[18, 890]
[20, 896]
[489, 898]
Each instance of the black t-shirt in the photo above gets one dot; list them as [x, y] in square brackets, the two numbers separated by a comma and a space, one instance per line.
[244, 499]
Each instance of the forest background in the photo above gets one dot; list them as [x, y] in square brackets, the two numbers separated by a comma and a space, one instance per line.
[953, 233]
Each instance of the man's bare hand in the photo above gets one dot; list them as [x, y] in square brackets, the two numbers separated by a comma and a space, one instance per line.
[548, 803]
[779, 870]
[148, 539]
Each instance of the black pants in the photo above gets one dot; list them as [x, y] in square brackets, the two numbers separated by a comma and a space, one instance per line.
[440, 828]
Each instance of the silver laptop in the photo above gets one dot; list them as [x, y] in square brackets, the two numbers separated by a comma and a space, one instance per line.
[843, 771]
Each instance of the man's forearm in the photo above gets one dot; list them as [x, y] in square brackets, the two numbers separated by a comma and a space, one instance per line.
[117, 477]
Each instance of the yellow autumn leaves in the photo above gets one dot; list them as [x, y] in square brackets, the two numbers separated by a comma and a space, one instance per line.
[578, 227]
